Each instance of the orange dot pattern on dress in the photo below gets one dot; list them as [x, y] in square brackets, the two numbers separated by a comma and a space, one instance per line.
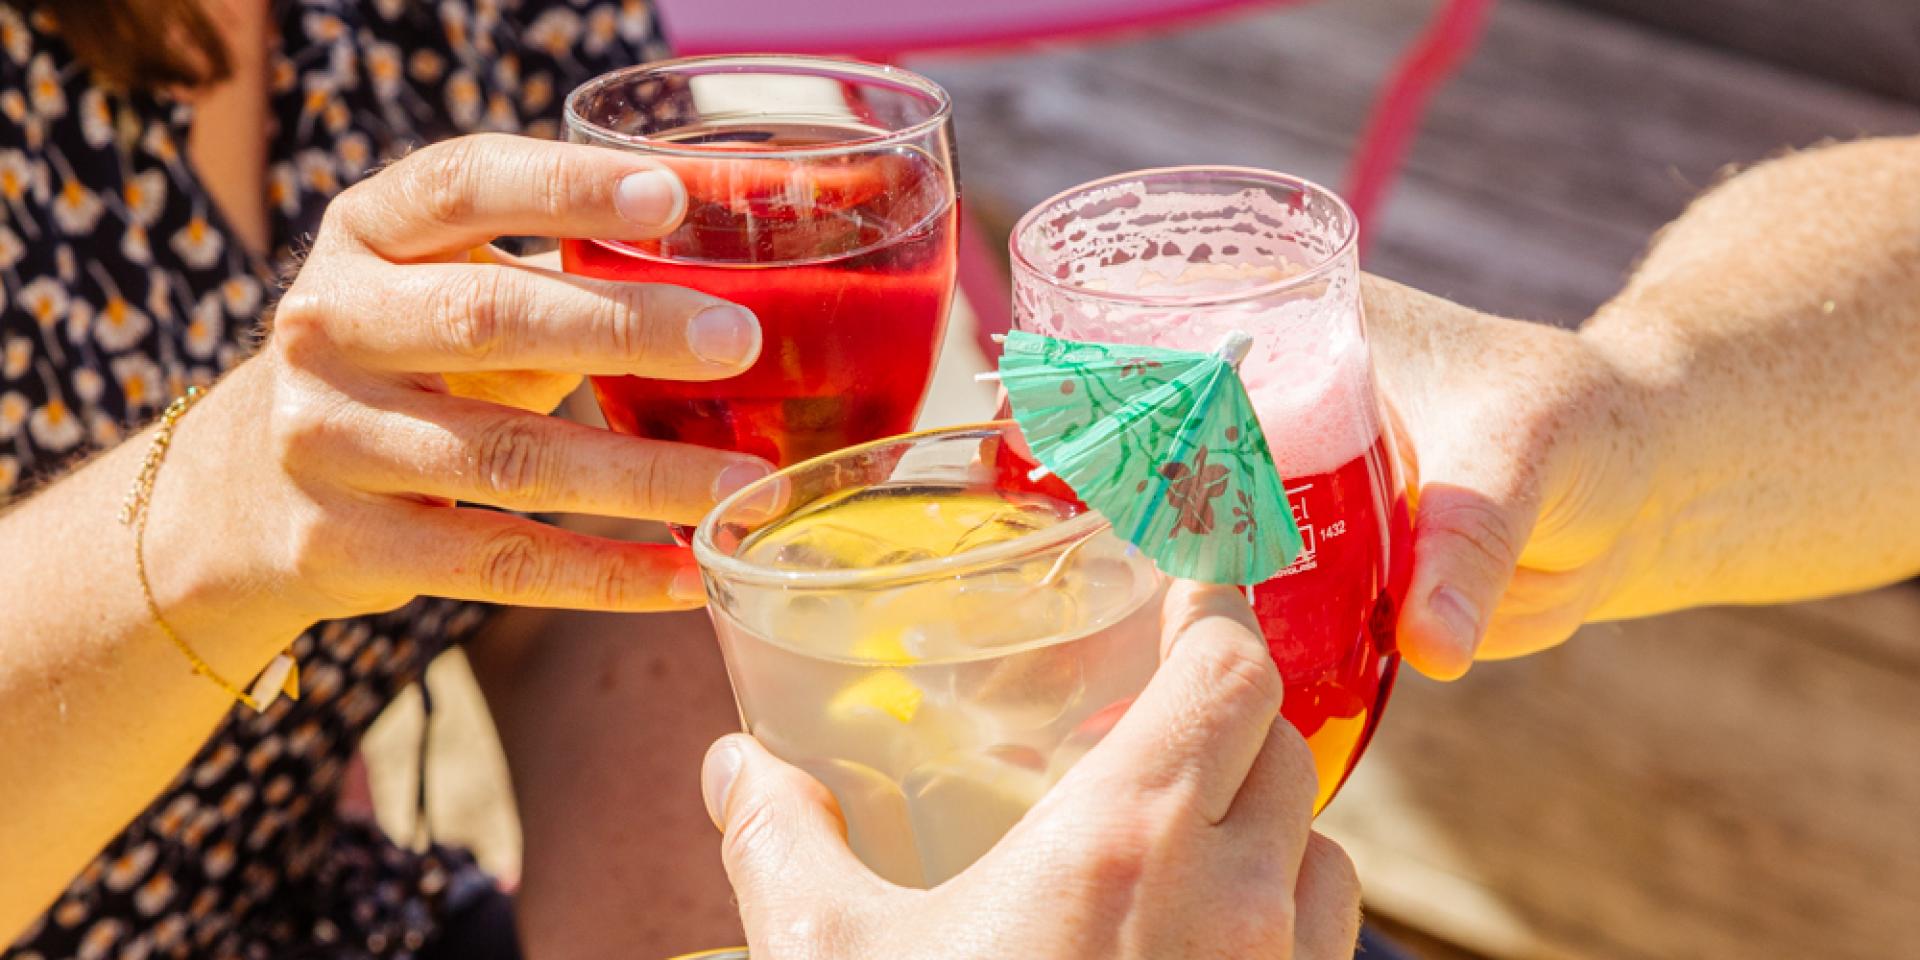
[120, 287]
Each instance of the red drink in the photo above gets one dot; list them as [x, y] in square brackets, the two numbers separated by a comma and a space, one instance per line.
[851, 283]
[1179, 258]
[1329, 617]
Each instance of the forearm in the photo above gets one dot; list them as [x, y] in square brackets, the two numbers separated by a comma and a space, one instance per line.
[98, 711]
[1774, 333]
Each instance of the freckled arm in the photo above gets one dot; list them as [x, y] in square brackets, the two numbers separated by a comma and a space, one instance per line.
[1775, 331]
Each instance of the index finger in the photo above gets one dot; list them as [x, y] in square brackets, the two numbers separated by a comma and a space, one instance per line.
[1204, 716]
[463, 193]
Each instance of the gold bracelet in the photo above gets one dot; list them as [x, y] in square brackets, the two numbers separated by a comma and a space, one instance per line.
[280, 676]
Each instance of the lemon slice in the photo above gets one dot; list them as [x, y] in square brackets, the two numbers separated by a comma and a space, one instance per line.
[887, 692]
[887, 647]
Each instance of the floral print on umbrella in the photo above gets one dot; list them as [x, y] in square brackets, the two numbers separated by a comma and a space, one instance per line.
[1152, 438]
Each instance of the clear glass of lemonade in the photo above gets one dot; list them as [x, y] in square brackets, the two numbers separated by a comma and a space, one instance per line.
[913, 625]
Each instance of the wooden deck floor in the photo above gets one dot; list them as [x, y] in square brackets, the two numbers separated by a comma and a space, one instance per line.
[1726, 783]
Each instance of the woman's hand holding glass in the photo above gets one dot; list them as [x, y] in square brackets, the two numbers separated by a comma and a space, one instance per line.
[409, 371]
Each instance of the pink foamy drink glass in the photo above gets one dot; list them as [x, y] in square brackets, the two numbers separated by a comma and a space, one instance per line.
[1179, 257]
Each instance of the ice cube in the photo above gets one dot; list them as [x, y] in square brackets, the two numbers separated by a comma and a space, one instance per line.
[920, 617]
[963, 803]
[945, 619]
[1021, 693]
[1101, 576]
[1013, 608]
[878, 826]
[1010, 521]
[820, 546]
[809, 617]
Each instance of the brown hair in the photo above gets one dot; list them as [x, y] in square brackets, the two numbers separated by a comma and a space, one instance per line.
[144, 44]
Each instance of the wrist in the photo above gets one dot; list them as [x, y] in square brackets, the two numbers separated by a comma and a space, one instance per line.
[1650, 440]
[208, 520]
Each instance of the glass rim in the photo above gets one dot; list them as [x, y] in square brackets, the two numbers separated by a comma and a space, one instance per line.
[747, 63]
[1023, 267]
[714, 562]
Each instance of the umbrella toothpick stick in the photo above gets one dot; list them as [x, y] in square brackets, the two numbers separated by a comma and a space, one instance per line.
[1163, 442]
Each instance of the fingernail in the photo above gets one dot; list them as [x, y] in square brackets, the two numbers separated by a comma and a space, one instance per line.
[1458, 613]
[650, 198]
[716, 779]
[687, 586]
[737, 476]
[724, 335]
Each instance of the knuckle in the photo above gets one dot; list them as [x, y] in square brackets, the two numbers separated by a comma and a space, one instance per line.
[470, 311]
[1243, 671]
[752, 833]
[1107, 876]
[623, 318]
[562, 184]
[1117, 868]
[1111, 846]
[512, 565]
[615, 584]
[759, 835]
[442, 180]
[1477, 526]
[339, 220]
[651, 484]
[514, 460]
[299, 318]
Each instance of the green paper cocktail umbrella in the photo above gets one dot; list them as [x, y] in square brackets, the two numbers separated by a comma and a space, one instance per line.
[1164, 443]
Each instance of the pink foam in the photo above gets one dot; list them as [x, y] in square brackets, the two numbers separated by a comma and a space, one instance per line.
[1308, 373]
[1317, 423]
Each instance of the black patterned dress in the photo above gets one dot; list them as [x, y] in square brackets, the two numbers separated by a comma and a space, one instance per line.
[119, 286]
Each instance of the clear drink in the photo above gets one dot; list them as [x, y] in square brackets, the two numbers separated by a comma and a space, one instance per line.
[1179, 258]
[933, 647]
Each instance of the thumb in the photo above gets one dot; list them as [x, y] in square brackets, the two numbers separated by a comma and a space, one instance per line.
[1467, 537]
[785, 845]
